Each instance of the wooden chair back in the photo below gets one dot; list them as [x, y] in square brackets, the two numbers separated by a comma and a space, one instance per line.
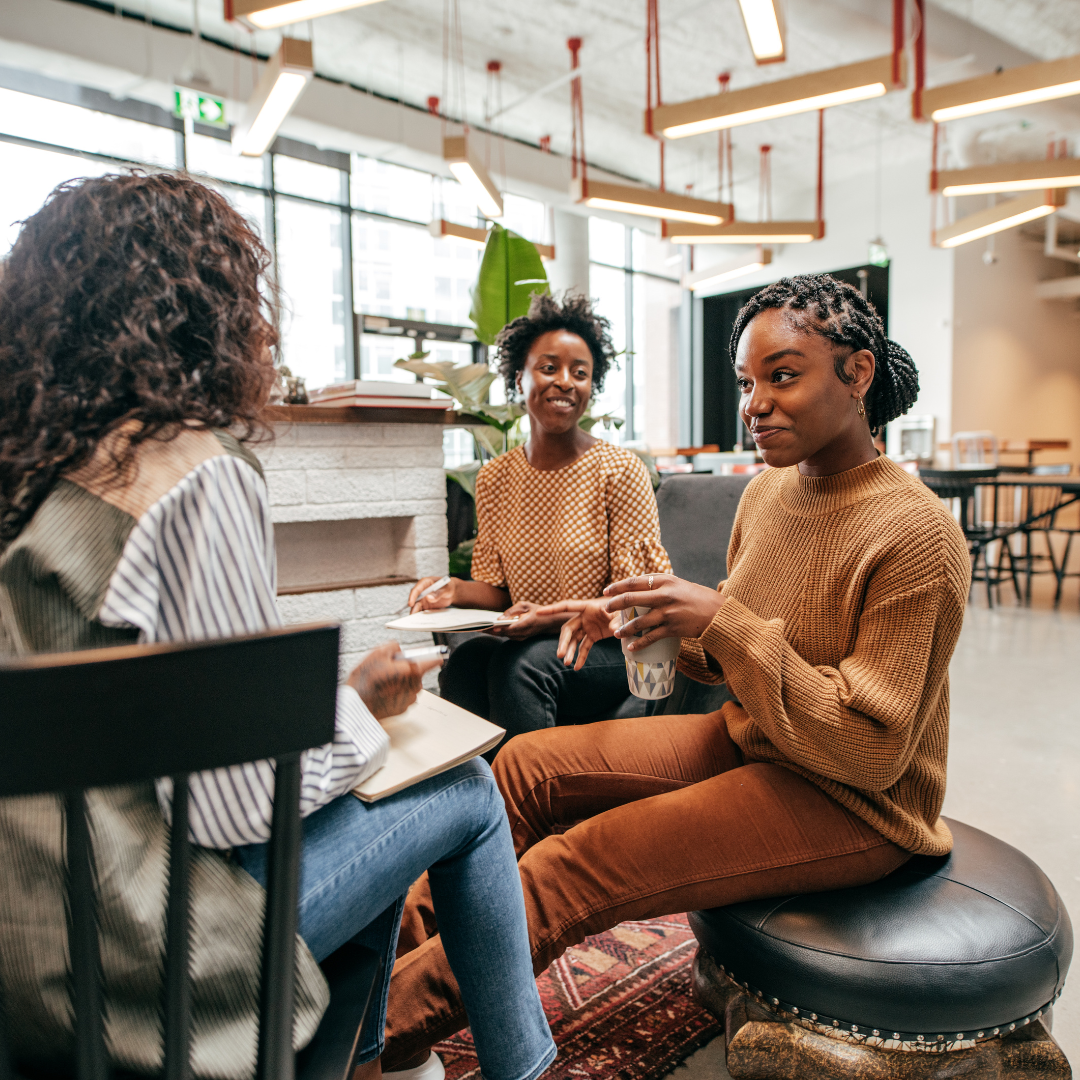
[136, 713]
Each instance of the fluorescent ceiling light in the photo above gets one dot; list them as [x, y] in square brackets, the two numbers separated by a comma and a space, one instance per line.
[995, 219]
[764, 29]
[649, 202]
[785, 97]
[441, 227]
[1025, 85]
[269, 14]
[711, 276]
[748, 232]
[283, 80]
[1012, 176]
[472, 175]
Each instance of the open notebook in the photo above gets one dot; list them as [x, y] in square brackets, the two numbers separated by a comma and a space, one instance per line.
[448, 620]
[425, 740]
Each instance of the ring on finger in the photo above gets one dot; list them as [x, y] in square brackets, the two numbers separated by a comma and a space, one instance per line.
[650, 582]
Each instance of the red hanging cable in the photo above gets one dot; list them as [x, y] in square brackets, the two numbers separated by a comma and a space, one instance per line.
[726, 172]
[821, 173]
[764, 205]
[898, 10]
[652, 74]
[920, 61]
[577, 138]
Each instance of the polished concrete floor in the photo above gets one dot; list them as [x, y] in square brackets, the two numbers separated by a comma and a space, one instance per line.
[1014, 759]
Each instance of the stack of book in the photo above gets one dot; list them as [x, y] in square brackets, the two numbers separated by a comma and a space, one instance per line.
[380, 395]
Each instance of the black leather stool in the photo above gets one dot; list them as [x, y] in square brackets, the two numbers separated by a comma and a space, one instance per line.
[946, 968]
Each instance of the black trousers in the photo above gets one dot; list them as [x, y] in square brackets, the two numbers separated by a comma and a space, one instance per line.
[523, 686]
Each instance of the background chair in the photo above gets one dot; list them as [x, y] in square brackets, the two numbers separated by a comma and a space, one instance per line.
[986, 517]
[974, 449]
[135, 713]
[948, 967]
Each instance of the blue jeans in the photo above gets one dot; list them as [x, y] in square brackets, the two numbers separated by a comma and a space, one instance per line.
[357, 863]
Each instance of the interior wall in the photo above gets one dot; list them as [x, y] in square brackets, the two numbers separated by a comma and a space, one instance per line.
[1016, 359]
[921, 276]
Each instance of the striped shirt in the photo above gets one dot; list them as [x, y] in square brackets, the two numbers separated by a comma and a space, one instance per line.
[200, 564]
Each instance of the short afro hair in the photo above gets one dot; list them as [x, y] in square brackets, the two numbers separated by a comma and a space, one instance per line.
[575, 314]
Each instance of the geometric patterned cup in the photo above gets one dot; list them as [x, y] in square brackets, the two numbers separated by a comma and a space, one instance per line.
[650, 672]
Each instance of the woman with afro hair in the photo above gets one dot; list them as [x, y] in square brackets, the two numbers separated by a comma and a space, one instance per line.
[559, 519]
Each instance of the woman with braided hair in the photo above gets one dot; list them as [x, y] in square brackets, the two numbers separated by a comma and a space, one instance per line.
[846, 588]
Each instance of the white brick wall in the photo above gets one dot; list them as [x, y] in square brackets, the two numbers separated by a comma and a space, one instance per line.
[337, 472]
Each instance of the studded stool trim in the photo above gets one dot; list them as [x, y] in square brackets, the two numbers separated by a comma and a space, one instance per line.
[904, 1041]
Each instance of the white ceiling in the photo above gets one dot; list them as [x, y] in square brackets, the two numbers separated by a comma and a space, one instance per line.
[395, 48]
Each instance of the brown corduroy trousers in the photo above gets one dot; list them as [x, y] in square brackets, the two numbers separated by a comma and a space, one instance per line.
[634, 819]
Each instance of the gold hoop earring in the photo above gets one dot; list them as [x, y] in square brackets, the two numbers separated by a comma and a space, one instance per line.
[862, 411]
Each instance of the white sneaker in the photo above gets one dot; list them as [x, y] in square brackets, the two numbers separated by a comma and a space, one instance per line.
[432, 1069]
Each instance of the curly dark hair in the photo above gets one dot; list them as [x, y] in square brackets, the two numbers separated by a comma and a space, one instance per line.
[822, 305]
[126, 297]
[546, 312]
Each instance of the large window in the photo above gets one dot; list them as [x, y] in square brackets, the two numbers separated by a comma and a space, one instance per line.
[348, 234]
[633, 281]
[349, 237]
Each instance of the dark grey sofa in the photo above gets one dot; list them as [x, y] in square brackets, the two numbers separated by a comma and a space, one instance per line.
[697, 512]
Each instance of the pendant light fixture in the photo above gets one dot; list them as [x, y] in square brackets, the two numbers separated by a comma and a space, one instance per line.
[765, 29]
[440, 227]
[748, 232]
[1007, 89]
[471, 174]
[1012, 176]
[711, 276]
[764, 231]
[622, 198]
[270, 14]
[995, 219]
[284, 79]
[785, 97]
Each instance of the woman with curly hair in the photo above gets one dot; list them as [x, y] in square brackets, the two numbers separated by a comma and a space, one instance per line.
[847, 581]
[559, 518]
[134, 362]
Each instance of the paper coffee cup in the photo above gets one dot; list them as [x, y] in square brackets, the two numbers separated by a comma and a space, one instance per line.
[650, 672]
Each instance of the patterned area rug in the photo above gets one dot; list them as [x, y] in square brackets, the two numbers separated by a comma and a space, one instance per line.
[619, 1006]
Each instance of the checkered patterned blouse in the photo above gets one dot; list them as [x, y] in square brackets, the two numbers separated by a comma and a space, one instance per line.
[564, 534]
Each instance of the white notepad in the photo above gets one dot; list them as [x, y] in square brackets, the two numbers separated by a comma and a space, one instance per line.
[449, 619]
[427, 739]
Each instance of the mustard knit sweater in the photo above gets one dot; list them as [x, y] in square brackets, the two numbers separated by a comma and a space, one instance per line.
[843, 603]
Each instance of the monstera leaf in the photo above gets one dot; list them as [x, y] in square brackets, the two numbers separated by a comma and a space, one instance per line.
[510, 272]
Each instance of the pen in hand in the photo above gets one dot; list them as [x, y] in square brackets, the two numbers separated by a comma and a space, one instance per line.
[432, 588]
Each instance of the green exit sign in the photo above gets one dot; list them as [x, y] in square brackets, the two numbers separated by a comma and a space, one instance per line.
[192, 105]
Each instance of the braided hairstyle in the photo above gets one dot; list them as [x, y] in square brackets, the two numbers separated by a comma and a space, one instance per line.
[819, 304]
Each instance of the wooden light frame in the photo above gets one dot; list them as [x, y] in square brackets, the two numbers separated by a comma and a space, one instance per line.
[785, 97]
[469, 171]
[649, 202]
[762, 18]
[283, 80]
[271, 14]
[709, 276]
[1008, 89]
[1010, 176]
[995, 219]
[747, 232]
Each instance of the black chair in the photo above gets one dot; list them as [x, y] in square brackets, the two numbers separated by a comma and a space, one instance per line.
[948, 967]
[984, 515]
[174, 710]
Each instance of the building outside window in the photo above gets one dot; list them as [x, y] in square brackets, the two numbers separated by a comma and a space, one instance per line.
[632, 278]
